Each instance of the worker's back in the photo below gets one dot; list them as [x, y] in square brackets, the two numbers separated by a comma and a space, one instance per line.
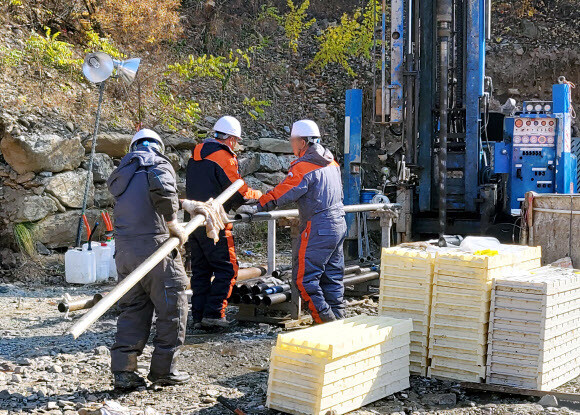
[212, 168]
[140, 186]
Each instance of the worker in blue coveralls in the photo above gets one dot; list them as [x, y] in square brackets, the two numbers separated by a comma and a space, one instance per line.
[314, 182]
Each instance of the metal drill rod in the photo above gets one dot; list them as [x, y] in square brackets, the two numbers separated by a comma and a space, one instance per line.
[444, 16]
[293, 213]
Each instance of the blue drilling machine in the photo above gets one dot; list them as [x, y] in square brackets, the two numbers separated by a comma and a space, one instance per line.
[460, 167]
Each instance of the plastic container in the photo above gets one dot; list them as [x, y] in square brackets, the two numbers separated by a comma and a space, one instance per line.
[366, 195]
[94, 245]
[80, 266]
[103, 258]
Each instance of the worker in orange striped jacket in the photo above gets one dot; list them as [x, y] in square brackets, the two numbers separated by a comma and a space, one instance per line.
[314, 181]
[213, 167]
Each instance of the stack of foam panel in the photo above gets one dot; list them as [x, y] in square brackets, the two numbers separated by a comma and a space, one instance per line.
[339, 366]
[534, 331]
[405, 292]
[460, 307]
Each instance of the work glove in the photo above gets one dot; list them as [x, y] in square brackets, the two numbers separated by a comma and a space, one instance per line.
[177, 230]
[248, 209]
[215, 216]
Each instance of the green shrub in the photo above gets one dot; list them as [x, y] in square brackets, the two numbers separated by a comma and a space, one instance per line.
[50, 51]
[352, 38]
[102, 44]
[294, 22]
[256, 106]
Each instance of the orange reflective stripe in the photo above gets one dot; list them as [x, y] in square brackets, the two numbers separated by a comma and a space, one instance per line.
[197, 152]
[301, 269]
[234, 261]
[229, 165]
[295, 176]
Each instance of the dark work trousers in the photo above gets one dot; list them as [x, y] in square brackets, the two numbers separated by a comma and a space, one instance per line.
[318, 267]
[210, 297]
[162, 290]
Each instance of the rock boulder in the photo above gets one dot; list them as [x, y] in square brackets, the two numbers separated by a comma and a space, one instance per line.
[257, 184]
[113, 144]
[102, 167]
[103, 198]
[21, 205]
[271, 178]
[69, 188]
[285, 161]
[60, 230]
[41, 152]
[273, 145]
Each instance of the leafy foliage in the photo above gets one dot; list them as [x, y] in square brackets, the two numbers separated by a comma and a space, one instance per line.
[209, 66]
[102, 44]
[256, 106]
[10, 57]
[51, 51]
[294, 22]
[352, 38]
[177, 111]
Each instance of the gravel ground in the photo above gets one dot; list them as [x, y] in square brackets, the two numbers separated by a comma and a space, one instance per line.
[42, 371]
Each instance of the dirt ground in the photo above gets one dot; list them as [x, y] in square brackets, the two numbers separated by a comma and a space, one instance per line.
[43, 371]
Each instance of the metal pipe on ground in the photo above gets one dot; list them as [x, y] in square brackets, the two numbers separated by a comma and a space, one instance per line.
[351, 269]
[360, 278]
[260, 288]
[82, 304]
[277, 289]
[277, 298]
[282, 271]
[247, 299]
[293, 213]
[134, 277]
[235, 298]
[258, 299]
[245, 274]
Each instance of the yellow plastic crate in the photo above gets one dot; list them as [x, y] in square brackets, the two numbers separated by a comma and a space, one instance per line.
[342, 337]
[339, 366]
[534, 335]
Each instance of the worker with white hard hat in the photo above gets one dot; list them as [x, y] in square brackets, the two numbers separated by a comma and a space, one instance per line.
[146, 205]
[213, 167]
[314, 182]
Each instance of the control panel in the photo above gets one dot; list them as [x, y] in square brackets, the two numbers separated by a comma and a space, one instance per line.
[533, 155]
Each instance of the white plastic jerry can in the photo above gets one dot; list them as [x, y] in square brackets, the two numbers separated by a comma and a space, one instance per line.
[94, 245]
[112, 264]
[80, 266]
[103, 257]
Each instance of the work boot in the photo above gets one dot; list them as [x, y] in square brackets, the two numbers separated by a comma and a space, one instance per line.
[128, 380]
[215, 322]
[170, 379]
[195, 325]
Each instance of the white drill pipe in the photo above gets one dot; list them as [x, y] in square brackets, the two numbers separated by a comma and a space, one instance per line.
[134, 277]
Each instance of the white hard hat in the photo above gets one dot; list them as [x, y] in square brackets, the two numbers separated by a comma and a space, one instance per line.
[144, 134]
[228, 125]
[307, 129]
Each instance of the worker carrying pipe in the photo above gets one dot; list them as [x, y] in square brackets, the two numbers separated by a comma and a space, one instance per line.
[314, 181]
[146, 205]
[212, 168]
